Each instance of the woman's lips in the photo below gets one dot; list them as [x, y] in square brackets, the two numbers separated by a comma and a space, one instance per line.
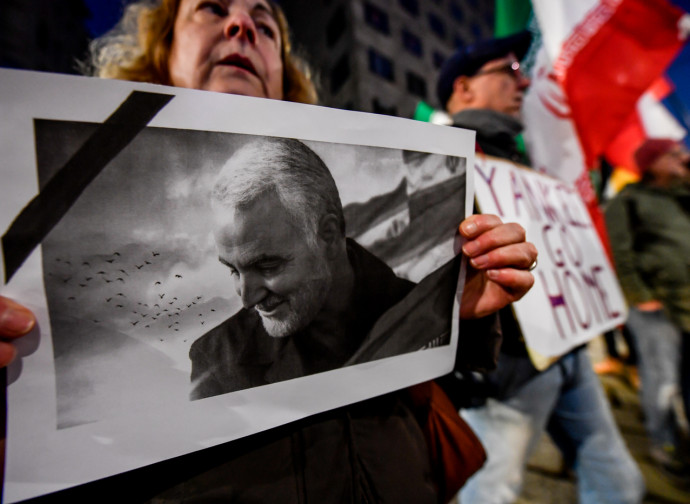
[239, 61]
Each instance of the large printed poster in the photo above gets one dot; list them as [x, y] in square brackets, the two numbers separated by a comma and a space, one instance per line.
[204, 267]
[576, 295]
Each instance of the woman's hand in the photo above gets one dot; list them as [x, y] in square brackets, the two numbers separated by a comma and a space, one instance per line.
[500, 261]
[15, 321]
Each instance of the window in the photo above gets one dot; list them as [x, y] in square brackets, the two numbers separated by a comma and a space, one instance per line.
[340, 73]
[412, 43]
[416, 84]
[376, 18]
[438, 59]
[411, 6]
[336, 27]
[456, 11]
[437, 26]
[379, 108]
[380, 65]
[477, 30]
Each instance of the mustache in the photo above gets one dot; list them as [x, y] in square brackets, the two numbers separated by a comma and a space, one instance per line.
[269, 303]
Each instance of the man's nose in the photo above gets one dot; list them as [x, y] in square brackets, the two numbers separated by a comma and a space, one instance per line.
[523, 81]
[251, 290]
[240, 25]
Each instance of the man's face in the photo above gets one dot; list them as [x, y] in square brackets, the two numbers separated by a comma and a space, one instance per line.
[499, 86]
[230, 46]
[672, 165]
[275, 270]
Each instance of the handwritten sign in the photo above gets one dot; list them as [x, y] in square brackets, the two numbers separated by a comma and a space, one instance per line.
[576, 295]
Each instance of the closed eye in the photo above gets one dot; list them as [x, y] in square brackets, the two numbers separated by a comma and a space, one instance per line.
[215, 8]
[266, 29]
[269, 267]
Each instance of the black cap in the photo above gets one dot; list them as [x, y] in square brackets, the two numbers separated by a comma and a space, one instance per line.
[469, 59]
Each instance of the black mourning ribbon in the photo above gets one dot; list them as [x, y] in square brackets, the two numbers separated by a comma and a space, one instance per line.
[39, 217]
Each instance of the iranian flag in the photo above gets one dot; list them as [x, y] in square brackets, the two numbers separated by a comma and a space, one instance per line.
[597, 59]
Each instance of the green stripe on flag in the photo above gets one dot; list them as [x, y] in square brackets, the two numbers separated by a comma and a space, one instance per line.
[511, 16]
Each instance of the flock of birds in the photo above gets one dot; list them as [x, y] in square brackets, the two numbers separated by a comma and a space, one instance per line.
[123, 283]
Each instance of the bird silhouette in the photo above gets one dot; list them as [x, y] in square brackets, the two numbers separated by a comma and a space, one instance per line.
[138, 267]
[178, 276]
[155, 254]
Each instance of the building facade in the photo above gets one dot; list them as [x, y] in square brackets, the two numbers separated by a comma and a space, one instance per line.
[383, 56]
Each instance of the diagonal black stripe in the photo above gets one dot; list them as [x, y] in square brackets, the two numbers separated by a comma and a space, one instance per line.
[39, 217]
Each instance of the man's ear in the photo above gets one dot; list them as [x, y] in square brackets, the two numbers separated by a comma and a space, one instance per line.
[330, 234]
[462, 88]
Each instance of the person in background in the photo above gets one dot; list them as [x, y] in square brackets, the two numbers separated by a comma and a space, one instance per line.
[482, 87]
[649, 226]
[242, 47]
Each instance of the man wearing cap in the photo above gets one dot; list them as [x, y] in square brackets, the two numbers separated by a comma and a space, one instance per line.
[649, 226]
[482, 88]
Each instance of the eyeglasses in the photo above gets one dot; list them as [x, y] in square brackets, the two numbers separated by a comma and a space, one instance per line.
[511, 68]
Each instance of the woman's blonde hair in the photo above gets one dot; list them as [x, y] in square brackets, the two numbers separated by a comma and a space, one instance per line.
[138, 49]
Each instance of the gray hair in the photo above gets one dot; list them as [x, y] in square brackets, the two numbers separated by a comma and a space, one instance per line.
[287, 168]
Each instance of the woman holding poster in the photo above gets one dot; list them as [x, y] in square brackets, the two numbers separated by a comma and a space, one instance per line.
[242, 47]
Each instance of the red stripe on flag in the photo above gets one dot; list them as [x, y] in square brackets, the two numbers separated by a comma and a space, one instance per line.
[618, 63]
[620, 151]
[661, 88]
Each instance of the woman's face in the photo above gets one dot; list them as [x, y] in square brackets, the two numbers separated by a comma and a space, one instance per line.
[230, 46]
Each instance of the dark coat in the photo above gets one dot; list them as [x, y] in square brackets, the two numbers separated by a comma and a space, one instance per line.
[649, 228]
[496, 134]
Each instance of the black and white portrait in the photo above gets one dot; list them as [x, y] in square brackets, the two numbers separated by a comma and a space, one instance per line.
[270, 261]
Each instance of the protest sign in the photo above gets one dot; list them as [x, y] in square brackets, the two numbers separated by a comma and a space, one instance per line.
[110, 237]
[576, 295]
